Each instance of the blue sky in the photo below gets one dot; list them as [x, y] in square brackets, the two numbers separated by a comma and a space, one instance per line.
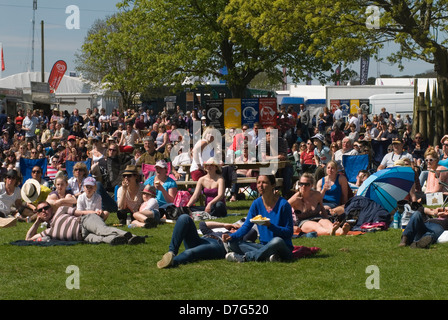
[62, 43]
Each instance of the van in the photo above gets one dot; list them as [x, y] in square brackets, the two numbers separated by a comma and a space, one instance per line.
[399, 102]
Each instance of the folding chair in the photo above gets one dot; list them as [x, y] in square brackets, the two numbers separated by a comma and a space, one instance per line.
[70, 164]
[354, 164]
[26, 166]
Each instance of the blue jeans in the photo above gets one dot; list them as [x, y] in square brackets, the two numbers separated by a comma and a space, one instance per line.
[108, 204]
[417, 228]
[260, 252]
[196, 248]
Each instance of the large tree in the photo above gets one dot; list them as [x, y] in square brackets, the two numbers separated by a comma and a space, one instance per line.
[110, 56]
[195, 39]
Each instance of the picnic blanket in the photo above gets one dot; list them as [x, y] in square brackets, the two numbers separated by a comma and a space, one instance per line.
[50, 243]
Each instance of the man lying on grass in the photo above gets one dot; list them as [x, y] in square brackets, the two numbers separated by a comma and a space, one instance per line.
[65, 226]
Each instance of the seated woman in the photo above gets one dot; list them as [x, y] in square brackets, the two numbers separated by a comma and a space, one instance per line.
[333, 187]
[435, 173]
[148, 214]
[61, 197]
[129, 195]
[309, 210]
[165, 185]
[213, 187]
[275, 233]
[75, 183]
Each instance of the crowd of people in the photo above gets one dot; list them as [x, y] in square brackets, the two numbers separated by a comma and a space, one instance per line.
[124, 164]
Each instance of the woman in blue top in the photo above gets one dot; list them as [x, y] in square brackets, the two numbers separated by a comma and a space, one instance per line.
[166, 186]
[333, 187]
[275, 234]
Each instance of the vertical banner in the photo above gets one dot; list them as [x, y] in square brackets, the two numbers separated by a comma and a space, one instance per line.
[268, 111]
[345, 104]
[232, 113]
[249, 112]
[56, 75]
[338, 73]
[2, 57]
[364, 104]
[214, 114]
[334, 105]
[364, 72]
[354, 106]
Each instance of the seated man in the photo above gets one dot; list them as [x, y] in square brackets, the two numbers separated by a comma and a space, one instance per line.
[33, 191]
[397, 154]
[65, 226]
[347, 149]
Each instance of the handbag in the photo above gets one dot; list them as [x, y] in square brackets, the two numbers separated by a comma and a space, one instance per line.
[173, 212]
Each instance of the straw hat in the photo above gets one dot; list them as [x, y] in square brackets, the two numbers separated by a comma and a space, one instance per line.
[131, 170]
[30, 190]
[8, 222]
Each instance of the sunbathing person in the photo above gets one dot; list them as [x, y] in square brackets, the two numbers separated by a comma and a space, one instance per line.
[309, 210]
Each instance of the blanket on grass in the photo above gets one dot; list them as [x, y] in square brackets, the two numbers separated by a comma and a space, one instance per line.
[45, 243]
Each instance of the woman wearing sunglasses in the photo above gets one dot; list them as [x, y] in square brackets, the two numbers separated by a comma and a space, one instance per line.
[129, 195]
[436, 172]
[309, 212]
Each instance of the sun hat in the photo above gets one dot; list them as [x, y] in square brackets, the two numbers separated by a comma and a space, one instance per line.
[131, 170]
[318, 136]
[149, 189]
[161, 164]
[89, 181]
[213, 161]
[30, 190]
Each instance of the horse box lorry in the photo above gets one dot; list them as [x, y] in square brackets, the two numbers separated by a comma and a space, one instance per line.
[394, 103]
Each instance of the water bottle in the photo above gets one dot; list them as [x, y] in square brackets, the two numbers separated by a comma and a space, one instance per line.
[397, 220]
[131, 226]
[406, 217]
[128, 219]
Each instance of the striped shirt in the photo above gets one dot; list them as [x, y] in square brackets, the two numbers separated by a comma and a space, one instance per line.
[64, 226]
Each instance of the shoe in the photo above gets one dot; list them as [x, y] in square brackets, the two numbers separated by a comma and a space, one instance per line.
[235, 257]
[274, 258]
[404, 241]
[119, 241]
[166, 261]
[423, 243]
[136, 240]
[226, 247]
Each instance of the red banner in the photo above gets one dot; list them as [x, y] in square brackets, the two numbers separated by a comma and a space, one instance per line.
[57, 72]
[3, 61]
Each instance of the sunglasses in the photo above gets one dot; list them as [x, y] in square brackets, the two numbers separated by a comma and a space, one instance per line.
[43, 209]
[430, 160]
[36, 171]
[304, 184]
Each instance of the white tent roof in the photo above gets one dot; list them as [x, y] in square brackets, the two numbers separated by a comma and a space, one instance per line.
[71, 85]
[422, 82]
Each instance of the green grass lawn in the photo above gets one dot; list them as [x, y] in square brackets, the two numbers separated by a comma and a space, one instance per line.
[338, 271]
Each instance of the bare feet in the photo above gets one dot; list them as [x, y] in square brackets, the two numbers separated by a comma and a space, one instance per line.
[335, 228]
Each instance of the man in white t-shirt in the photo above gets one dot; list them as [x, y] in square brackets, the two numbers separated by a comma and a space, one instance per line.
[397, 154]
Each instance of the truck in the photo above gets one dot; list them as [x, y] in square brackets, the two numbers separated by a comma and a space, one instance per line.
[395, 103]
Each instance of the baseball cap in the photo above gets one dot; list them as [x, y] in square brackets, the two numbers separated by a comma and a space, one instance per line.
[89, 181]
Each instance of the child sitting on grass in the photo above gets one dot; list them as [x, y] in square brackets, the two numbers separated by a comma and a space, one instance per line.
[89, 201]
[148, 215]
